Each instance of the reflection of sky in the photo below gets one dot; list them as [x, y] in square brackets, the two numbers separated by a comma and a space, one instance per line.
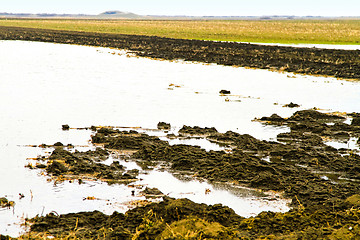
[242, 202]
[189, 7]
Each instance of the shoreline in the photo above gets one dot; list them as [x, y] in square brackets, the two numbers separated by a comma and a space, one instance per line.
[344, 64]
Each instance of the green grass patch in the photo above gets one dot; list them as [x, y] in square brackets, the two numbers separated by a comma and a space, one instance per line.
[271, 31]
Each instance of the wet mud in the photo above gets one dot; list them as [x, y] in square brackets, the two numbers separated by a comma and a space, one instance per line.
[327, 62]
[63, 164]
[163, 126]
[322, 182]
[5, 203]
[154, 221]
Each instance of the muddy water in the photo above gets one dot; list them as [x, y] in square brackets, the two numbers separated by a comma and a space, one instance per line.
[43, 86]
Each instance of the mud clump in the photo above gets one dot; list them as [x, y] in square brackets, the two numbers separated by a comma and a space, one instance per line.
[292, 105]
[314, 115]
[152, 193]
[273, 119]
[245, 142]
[290, 59]
[58, 144]
[163, 126]
[65, 127]
[355, 121]
[225, 92]
[198, 131]
[5, 203]
[63, 164]
[125, 140]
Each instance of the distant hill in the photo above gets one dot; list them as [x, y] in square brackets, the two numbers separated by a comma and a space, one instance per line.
[119, 14]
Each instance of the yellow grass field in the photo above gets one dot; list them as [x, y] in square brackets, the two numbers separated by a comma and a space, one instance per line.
[269, 31]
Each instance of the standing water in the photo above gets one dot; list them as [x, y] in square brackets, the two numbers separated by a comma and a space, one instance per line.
[43, 86]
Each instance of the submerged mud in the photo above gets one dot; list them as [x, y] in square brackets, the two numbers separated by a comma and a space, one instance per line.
[327, 62]
[322, 182]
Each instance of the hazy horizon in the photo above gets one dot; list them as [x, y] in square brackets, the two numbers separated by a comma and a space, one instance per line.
[187, 7]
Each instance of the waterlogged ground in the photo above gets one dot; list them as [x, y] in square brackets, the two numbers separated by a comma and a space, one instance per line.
[44, 86]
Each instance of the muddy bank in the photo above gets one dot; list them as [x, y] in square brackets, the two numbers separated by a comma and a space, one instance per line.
[328, 62]
[154, 220]
[184, 219]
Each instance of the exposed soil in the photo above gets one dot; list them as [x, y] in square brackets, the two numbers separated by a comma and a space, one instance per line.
[5, 203]
[143, 222]
[197, 131]
[224, 91]
[292, 105]
[322, 181]
[163, 126]
[66, 165]
[328, 62]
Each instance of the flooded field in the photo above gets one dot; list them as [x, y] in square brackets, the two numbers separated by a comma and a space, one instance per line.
[44, 86]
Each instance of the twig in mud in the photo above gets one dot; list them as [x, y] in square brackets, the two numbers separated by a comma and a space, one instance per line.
[76, 224]
[301, 207]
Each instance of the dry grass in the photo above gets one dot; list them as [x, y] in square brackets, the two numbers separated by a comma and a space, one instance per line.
[285, 31]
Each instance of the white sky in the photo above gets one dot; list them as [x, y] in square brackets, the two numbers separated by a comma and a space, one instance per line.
[188, 7]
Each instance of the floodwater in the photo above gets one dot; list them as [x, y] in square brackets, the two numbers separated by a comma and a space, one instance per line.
[44, 85]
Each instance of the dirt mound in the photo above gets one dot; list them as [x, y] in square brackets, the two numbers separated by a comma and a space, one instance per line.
[197, 131]
[225, 92]
[245, 142]
[125, 140]
[163, 126]
[143, 222]
[292, 105]
[274, 118]
[313, 115]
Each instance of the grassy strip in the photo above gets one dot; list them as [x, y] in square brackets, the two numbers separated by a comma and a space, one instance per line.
[286, 31]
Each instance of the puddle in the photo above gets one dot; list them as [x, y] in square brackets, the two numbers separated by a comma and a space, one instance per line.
[49, 85]
[243, 201]
[351, 144]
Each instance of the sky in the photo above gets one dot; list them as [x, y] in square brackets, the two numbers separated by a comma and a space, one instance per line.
[188, 7]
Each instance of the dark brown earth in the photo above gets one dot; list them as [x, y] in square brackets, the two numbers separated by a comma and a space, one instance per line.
[143, 222]
[66, 165]
[198, 131]
[163, 126]
[322, 207]
[327, 62]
